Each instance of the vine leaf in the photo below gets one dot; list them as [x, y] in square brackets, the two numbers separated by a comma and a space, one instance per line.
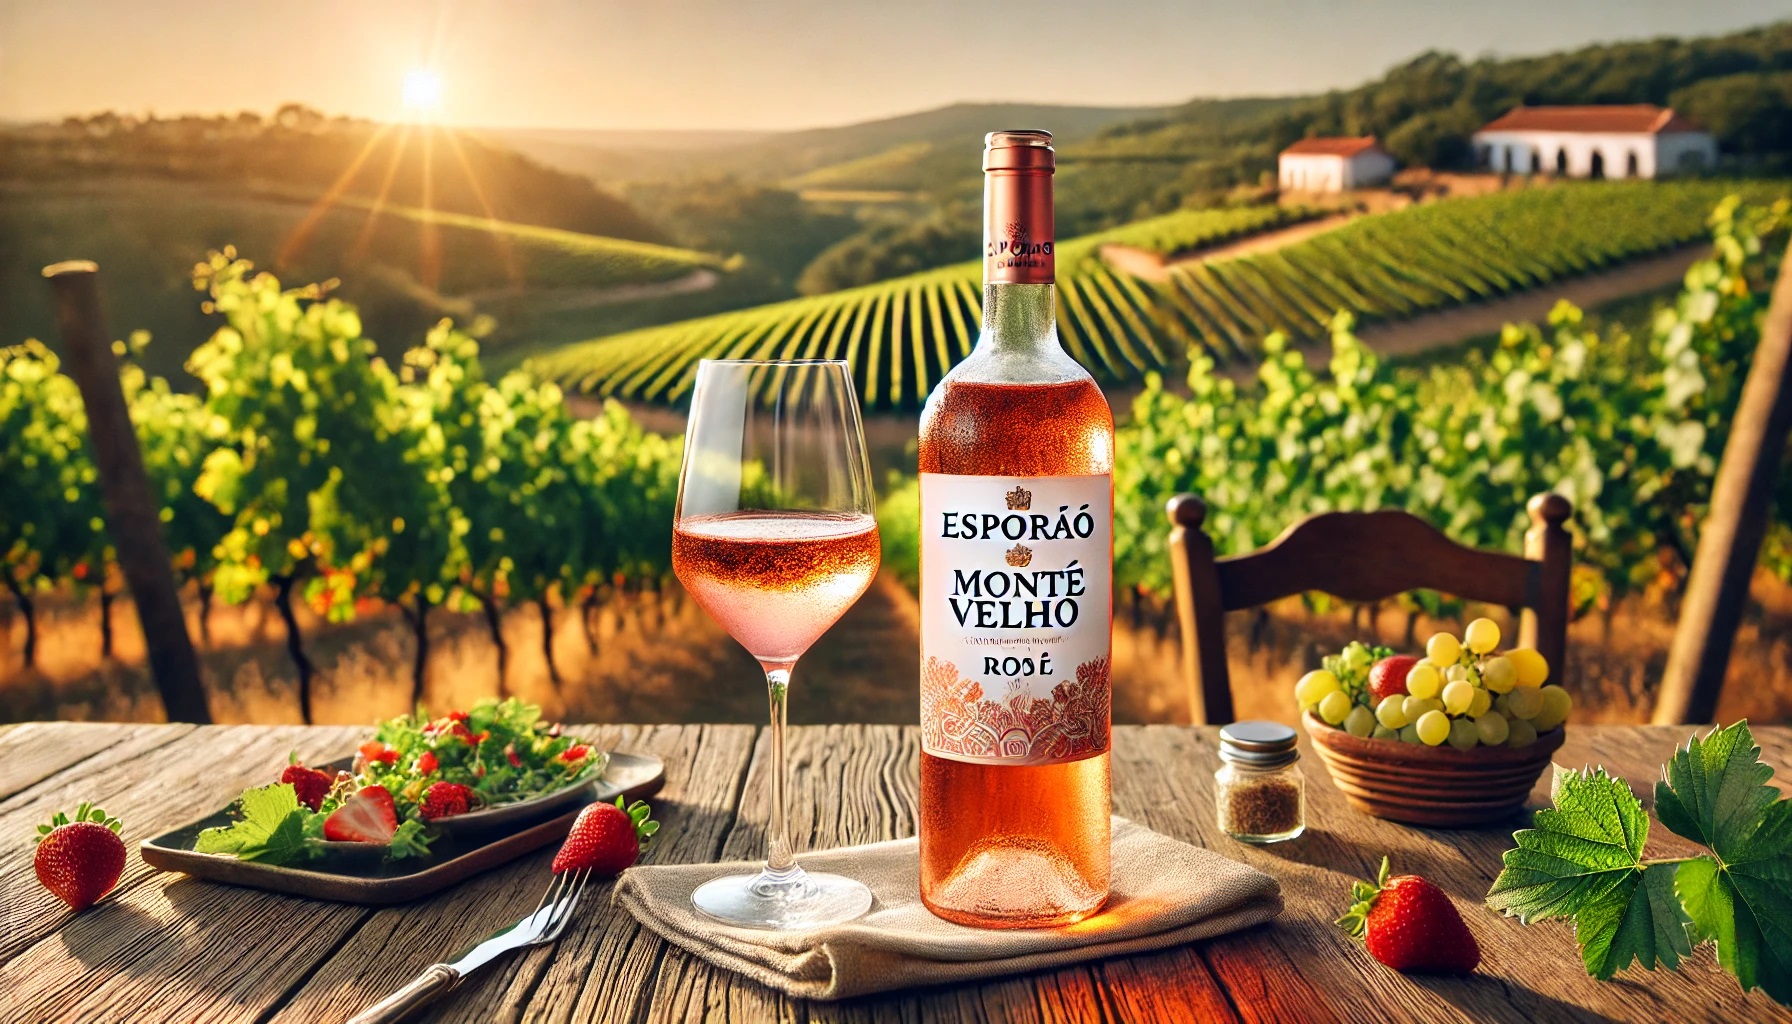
[1584, 860]
[1715, 792]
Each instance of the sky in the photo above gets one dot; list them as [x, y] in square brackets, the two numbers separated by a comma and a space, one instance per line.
[764, 65]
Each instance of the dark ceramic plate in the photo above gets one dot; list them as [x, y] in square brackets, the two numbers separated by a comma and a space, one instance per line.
[362, 875]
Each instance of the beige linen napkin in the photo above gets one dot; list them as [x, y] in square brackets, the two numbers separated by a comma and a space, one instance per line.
[1164, 893]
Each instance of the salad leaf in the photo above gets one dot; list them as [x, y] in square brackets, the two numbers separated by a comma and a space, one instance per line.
[1584, 860]
[272, 828]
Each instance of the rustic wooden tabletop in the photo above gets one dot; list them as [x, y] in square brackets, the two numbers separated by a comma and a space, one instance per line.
[164, 947]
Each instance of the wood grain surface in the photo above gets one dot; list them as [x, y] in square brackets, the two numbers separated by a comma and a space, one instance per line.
[168, 948]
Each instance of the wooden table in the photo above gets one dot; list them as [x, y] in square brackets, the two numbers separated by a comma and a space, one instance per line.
[169, 948]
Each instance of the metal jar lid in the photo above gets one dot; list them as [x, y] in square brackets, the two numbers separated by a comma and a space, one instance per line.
[1258, 744]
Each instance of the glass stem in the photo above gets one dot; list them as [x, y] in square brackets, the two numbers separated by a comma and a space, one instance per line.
[779, 860]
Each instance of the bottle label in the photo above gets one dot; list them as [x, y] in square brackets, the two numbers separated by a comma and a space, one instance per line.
[1016, 617]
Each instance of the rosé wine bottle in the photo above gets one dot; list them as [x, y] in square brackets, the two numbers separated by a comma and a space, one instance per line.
[1016, 461]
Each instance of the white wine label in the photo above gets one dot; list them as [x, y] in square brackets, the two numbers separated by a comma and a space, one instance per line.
[1016, 616]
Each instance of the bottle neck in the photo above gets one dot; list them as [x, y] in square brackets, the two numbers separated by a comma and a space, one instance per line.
[1019, 318]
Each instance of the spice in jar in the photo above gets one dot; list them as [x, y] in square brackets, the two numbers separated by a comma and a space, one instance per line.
[1260, 791]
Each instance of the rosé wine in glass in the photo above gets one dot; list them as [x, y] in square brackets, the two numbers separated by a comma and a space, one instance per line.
[776, 536]
[775, 580]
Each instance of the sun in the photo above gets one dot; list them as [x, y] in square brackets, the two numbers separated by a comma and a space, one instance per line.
[422, 92]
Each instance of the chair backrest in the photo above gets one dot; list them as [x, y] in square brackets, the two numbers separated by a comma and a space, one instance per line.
[1358, 556]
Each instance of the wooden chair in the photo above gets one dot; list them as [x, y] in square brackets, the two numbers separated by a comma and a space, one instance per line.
[1358, 556]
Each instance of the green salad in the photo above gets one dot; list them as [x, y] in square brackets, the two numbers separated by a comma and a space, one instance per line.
[415, 772]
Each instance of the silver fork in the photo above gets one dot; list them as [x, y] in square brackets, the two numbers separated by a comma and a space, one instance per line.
[543, 925]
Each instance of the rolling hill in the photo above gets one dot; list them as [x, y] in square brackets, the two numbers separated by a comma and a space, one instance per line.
[403, 266]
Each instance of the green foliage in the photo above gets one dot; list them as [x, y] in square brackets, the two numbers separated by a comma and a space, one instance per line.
[52, 528]
[1583, 860]
[308, 465]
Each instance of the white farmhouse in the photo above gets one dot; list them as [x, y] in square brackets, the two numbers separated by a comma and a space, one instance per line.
[1638, 140]
[1333, 164]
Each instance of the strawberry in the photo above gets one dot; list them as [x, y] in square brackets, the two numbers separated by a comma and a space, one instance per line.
[575, 753]
[1410, 925]
[311, 784]
[374, 750]
[426, 763]
[80, 860]
[510, 755]
[369, 816]
[446, 799]
[606, 838]
[1388, 676]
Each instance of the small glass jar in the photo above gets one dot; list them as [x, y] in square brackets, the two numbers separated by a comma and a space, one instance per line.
[1261, 795]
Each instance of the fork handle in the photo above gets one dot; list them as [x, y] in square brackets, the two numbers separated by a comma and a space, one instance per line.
[435, 982]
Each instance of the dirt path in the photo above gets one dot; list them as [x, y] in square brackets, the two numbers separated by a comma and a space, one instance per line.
[1446, 326]
[1154, 267]
[559, 300]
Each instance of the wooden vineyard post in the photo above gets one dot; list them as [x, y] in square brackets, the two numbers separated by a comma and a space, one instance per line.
[132, 513]
[1730, 538]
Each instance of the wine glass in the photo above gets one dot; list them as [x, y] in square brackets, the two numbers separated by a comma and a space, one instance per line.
[775, 537]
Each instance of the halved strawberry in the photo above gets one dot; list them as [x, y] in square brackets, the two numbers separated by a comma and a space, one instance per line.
[426, 763]
[310, 784]
[1388, 676]
[369, 816]
[374, 750]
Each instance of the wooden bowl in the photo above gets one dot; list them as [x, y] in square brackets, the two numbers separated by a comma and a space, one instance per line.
[1440, 787]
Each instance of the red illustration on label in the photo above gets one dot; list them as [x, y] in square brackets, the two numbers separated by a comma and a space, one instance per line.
[957, 719]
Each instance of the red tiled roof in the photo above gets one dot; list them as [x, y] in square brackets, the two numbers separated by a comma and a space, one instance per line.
[1636, 118]
[1347, 145]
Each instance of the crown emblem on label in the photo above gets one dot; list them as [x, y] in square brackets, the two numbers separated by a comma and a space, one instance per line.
[1020, 499]
[1020, 556]
[1017, 231]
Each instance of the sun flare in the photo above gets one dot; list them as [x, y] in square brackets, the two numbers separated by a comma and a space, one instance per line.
[422, 91]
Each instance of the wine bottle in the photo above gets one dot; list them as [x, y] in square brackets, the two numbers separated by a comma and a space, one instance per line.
[1016, 592]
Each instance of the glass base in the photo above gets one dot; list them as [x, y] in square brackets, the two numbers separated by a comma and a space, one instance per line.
[791, 900]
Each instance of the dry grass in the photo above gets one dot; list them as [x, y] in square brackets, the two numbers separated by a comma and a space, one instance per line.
[659, 658]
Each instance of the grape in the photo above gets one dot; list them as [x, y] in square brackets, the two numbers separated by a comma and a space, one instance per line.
[1382, 732]
[1481, 636]
[1499, 674]
[1522, 734]
[1443, 649]
[1314, 686]
[1409, 733]
[1532, 668]
[1503, 704]
[1457, 673]
[1493, 728]
[1434, 728]
[1525, 703]
[1357, 656]
[1458, 696]
[1423, 680]
[1417, 706]
[1483, 700]
[1360, 722]
[1391, 712]
[1463, 734]
[1335, 707]
[1556, 705]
